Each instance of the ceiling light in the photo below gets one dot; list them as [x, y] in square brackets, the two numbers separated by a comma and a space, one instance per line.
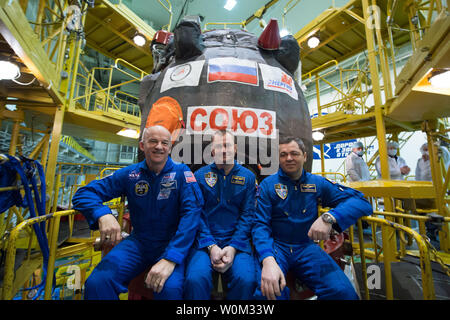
[441, 79]
[230, 4]
[139, 39]
[284, 32]
[317, 135]
[9, 70]
[313, 42]
[129, 133]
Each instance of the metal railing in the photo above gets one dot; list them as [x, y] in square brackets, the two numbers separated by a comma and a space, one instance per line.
[93, 96]
[224, 24]
[334, 174]
[425, 264]
[9, 287]
[351, 93]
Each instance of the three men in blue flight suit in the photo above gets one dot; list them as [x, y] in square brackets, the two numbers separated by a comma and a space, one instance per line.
[165, 205]
[223, 242]
[287, 223]
[167, 208]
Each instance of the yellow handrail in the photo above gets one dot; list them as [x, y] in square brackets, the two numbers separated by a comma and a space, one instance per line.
[142, 72]
[309, 74]
[225, 24]
[8, 281]
[105, 169]
[329, 173]
[425, 264]
[169, 25]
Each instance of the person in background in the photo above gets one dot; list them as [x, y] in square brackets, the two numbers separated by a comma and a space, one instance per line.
[397, 165]
[423, 168]
[223, 241]
[423, 173]
[356, 167]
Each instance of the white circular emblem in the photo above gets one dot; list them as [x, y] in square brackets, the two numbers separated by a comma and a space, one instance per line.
[180, 72]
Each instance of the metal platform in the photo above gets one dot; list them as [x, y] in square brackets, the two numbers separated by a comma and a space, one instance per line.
[406, 281]
[110, 28]
[342, 34]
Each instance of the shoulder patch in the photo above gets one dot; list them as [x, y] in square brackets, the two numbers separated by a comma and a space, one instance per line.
[189, 176]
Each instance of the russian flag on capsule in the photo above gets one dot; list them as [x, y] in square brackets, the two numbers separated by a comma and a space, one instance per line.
[233, 70]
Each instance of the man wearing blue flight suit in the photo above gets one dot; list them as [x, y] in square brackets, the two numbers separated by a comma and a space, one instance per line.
[165, 205]
[287, 223]
[223, 240]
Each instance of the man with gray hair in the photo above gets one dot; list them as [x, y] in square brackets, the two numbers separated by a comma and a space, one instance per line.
[356, 167]
[165, 205]
[397, 165]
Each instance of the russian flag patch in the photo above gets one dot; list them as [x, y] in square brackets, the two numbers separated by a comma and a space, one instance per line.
[233, 70]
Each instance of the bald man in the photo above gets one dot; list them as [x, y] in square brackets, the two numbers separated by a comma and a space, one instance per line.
[165, 204]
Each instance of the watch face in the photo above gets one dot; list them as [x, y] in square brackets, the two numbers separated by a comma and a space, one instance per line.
[326, 217]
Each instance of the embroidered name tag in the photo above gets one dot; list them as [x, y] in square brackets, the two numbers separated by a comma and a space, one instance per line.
[238, 180]
[308, 188]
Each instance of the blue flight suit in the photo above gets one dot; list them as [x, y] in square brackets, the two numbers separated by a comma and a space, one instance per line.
[285, 212]
[227, 219]
[165, 212]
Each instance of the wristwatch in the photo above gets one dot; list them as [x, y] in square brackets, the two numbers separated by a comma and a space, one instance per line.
[210, 247]
[328, 218]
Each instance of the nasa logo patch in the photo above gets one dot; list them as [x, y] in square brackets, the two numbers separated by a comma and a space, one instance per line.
[134, 175]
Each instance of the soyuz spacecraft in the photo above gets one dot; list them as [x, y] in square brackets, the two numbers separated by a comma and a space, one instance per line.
[226, 79]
